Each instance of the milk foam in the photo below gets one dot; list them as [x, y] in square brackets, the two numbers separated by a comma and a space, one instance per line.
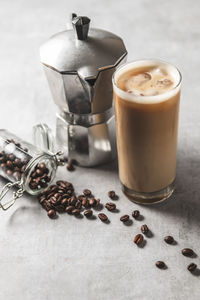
[158, 84]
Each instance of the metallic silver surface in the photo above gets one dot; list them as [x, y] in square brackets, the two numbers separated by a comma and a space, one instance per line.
[64, 53]
[79, 64]
[88, 119]
[90, 146]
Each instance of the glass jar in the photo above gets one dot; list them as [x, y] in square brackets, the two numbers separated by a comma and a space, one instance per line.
[26, 166]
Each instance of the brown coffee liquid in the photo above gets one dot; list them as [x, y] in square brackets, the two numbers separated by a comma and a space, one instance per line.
[146, 127]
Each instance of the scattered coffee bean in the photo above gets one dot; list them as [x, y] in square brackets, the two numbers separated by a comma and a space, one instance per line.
[144, 229]
[187, 252]
[160, 264]
[136, 214]
[110, 206]
[69, 209]
[60, 208]
[51, 213]
[192, 267]
[76, 211]
[78, 204]
[112, 195]
[85, 202]
[70, 165]
[92, 202]
[87, 193]
[138, 239]
[88, 213]
[124, 218]
[102, 217]
[97, 202]
[169, 239]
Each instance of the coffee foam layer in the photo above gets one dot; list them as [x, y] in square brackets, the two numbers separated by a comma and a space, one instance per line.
[147, 87]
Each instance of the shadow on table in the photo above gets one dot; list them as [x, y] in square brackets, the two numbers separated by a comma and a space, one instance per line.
[185, 202]
[110, 167]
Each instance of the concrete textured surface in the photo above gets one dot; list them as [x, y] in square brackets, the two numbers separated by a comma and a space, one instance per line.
[76, 259]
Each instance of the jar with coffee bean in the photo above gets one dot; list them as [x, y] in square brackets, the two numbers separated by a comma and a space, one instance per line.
[26, 166]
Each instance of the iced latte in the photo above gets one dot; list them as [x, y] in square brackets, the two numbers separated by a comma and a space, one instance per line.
[146, 98]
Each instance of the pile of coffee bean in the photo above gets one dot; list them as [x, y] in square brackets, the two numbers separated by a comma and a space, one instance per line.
[14, 163]
[39, 177]
[61, 197]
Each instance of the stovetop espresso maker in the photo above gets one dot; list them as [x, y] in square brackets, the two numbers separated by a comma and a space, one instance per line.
[79, 63]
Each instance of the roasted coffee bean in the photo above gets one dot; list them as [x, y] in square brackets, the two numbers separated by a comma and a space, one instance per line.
[85, 202]
[69, 209]
[9, 172]
[45, 171]
[11, 157]
[54, 188]
[43, 184]
[70, 166]
[88, 213]
[70, 192]
[53, 200]
[76, 211]
[169, 239]
[2, 159]
[102, 217]
[50, 195]
[64, 201]
[18, 163]
[87, 193]
[124, 218]
[92, 202]
[61, 183]
[3, 165]
[60, 208]
[97, 202]
[36, 180]
[187, 252]
[9, 164]
[16, 169]
[42, 166]
[144, 229]
[34, 175]
[138, 239]
[39, 172]
[63, 196]
[69, 185]
[81, 197]
[160, 264]
[48, 205]
[78, 204]
[42, 199]
[111, 194]
[192, 267]
[51, 213]
[110, 206]
[136, 214]
[61, 191]
[72, 201]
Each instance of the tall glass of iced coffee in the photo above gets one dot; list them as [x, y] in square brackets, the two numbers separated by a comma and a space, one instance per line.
[146, 98]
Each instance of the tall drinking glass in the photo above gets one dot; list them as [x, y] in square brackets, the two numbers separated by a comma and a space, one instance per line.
[146, 99]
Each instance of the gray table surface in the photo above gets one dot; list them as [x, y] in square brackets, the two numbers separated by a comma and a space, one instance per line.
[77, 259]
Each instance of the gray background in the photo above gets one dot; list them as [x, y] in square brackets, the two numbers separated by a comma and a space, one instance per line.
[77, 259]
